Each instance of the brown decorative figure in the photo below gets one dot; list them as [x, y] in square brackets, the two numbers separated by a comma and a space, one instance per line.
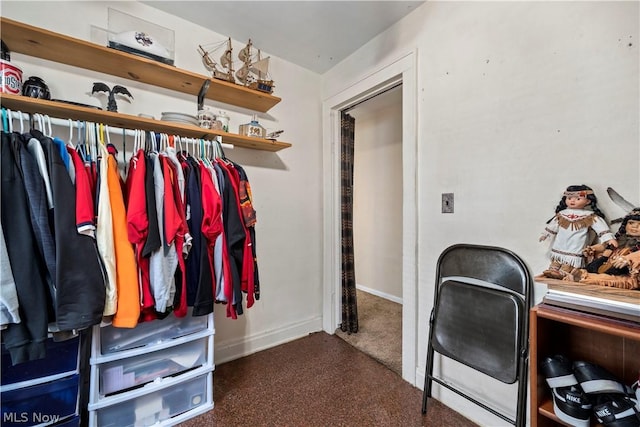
[616, 267]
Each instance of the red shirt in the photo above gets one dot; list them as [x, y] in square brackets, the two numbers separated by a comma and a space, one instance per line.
[85, 215]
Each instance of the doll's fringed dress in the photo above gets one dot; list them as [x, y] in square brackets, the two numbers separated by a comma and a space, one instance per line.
[570, 229]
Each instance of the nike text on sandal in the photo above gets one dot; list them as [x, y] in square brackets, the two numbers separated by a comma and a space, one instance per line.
[596, 379]
[558, 372]
[572, 406]
[616, 411]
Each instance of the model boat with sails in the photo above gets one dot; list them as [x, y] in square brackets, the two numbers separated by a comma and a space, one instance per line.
[223, 69]
[254, 72]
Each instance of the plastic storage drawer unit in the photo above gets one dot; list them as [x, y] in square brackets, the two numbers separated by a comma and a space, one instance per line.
[156, 407]
[138, 370]
[40, 404]
[148, 333]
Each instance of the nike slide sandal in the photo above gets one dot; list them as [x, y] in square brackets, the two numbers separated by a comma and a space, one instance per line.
[558, 371]
[572, 406]
[616, 410]
[595, 379]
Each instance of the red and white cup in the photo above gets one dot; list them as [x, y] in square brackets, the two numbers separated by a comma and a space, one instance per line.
[10, 78]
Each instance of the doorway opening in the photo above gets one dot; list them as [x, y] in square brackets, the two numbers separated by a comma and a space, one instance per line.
[377, 225]
[401, 71]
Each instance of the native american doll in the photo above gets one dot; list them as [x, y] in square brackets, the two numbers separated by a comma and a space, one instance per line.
[616, 267]
[577, 218]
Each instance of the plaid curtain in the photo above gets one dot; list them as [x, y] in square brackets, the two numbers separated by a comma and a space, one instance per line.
[349, 303]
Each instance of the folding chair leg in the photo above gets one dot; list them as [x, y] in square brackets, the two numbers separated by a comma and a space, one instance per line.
[428, 382]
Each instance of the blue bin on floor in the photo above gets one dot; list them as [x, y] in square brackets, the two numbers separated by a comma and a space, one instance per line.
[44, 403]
[71, 422]
[62, 357]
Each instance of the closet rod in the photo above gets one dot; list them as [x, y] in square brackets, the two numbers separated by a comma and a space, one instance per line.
[13, 115]
[352, 106]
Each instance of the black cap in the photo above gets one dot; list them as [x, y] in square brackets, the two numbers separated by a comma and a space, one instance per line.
[6, 55]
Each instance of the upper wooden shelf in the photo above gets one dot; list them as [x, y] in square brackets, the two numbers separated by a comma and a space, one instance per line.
[26, 104]
[45, 44]
[594, 322]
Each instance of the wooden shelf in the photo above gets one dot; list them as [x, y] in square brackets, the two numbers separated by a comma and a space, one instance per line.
[41, 43]
[608, 342]
[594, 322]
[64, 110]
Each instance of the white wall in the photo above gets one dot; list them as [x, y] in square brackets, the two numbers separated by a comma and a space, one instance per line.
[516, 101]
[377, 205]
[286, 185]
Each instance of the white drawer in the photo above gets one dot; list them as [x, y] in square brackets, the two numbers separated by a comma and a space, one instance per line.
[135, 371]
[159, 406]
[150, 333]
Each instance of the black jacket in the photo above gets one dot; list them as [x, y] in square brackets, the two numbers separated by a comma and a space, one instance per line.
[25, 340]
[80, 278]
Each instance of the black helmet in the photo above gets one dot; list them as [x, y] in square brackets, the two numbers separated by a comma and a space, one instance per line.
[35, 87]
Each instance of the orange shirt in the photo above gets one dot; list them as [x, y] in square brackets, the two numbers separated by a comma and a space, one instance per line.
[128, 309]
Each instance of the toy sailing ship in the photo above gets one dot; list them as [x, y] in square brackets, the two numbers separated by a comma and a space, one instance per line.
[224, 69]
[254, 72]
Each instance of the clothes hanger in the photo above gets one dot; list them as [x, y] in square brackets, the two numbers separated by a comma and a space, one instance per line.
[21, 123]
[92, 141]
[33, 118]
[70, 140]
[101, 134]
[109, 145]
[201, 151]
[47, 119]
[83, 142]
[186, 146]
[134, 149]
[5, 125]
[207, 154]
[124, 151]
[168, 141]
[40, 118]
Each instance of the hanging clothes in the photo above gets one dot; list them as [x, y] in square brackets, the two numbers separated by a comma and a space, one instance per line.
[40, 221]
[164, 261]
[128, 306]
[250, 282]
[194, 222]
[9, 306]
[85, 216]
[80, 278]
[104, 233]
[138, 224]
[211, 228]
[220, 254]
[176, 231]
[25, 340]
[235, 238]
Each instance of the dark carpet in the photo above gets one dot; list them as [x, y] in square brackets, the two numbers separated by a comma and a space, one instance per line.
[318, 380]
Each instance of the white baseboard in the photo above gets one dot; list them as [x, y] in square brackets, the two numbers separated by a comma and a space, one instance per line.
[379, 294]
[236, 348]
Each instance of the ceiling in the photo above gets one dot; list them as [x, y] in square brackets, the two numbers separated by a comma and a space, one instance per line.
[312, 34]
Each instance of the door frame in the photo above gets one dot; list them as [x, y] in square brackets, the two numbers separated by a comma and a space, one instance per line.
[401, 70]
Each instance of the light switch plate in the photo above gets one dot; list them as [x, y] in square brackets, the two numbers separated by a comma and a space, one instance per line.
[447, 202]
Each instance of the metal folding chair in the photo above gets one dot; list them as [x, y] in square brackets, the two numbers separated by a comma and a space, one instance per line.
[480, 318]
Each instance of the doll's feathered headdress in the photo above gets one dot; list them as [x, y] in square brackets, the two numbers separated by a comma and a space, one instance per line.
[628, 207]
